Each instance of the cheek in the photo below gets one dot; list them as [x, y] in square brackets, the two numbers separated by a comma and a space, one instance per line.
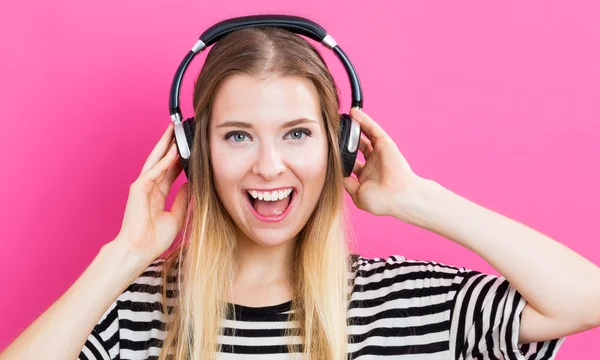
[310, 165]
[229, 167]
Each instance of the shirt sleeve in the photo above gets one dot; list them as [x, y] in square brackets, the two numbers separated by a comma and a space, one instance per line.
[485, 320]
[103, 342]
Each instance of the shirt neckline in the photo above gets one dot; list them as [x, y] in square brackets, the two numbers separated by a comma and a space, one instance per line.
[262, 310]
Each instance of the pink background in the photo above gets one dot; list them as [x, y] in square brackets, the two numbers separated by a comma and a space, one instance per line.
[496, 101]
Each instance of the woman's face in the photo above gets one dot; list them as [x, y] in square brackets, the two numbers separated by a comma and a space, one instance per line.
[268, 142]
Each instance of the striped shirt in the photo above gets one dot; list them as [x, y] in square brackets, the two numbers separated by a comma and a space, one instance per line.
[408, 309]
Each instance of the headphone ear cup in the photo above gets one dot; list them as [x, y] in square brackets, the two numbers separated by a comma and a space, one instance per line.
[189, 130]
[345, 139]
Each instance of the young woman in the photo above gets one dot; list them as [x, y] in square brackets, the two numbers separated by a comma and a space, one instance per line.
[264, 268]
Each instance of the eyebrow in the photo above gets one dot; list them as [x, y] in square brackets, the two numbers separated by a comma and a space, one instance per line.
[247, 125]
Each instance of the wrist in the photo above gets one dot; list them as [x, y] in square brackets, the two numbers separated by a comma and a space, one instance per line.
[130, 262]
[427, 197]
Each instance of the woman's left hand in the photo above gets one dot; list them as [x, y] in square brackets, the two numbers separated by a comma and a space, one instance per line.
[386, 184]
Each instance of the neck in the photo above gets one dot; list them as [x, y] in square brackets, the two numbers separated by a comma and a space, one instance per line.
[261, 265]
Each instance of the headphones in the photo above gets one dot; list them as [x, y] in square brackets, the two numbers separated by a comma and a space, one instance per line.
[349, 136]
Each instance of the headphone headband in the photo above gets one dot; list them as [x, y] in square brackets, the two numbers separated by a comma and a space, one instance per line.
[294, 24]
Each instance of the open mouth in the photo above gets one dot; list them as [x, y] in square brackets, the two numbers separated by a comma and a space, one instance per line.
[271, 206]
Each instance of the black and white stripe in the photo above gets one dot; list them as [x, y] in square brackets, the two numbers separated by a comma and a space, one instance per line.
[412, 310]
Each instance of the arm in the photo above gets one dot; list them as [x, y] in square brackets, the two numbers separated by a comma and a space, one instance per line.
[562, 288]
[61, 331]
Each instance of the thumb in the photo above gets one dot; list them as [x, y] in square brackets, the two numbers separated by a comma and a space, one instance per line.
[351, 185]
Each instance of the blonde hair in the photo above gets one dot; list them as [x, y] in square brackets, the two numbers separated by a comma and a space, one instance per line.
[204, 258]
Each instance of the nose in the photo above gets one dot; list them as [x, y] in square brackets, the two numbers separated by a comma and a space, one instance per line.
[269, 163]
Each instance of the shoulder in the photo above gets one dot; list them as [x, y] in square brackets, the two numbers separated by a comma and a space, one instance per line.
[404, 296]
[135, 317]
[398, 265]
[396, 276]
[141, 307]
[143, 299]
[148, 286]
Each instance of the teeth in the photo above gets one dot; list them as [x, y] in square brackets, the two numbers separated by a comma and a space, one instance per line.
[270, 195]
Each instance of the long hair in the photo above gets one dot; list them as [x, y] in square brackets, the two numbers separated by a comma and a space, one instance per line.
[195, 271]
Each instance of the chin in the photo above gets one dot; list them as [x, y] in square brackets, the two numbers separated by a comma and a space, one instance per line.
[270, 237]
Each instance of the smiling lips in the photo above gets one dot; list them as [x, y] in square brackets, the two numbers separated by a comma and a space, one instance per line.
[270, 205]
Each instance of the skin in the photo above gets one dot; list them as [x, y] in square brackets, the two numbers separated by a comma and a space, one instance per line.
[265, 152]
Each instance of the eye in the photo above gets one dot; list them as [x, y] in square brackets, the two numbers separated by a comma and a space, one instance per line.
[296, 134]
[237, 136]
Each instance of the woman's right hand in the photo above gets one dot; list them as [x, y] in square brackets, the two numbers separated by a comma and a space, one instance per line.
[148, 230]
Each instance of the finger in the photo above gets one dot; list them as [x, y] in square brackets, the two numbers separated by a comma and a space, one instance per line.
[351, 185]
[365, 147]
[163, 184]
[358, 166]
[368, 125]
[159, 149]
[157, 170]
[168, 178]
[158, 201]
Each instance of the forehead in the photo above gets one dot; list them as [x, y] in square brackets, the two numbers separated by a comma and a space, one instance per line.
[273, 100]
